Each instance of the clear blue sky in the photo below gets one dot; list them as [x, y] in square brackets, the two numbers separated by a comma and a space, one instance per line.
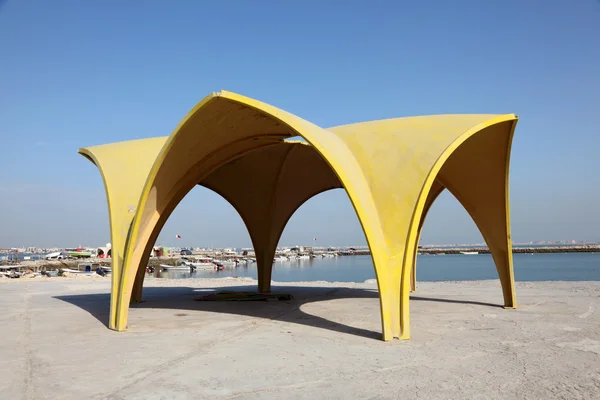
[80, 73]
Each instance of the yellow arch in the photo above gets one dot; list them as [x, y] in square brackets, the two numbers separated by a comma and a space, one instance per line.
[422, 146]
[507, 284]
[337, 155]
[288, 175]
[387, 167]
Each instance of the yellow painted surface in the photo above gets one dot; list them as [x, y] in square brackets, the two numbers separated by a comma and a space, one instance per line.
[124, 167]
[393, 170]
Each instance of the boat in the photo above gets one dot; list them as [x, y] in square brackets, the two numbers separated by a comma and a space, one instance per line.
[469, 253]
[79, 253]
[226, 263]
[12, 274]
[281, 258]
[202, 263]
[182, 267]
[78, 272]
[57, 255]
[182, 264]
[10, 268]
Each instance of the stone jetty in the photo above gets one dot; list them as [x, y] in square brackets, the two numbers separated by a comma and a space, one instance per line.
[516, 250]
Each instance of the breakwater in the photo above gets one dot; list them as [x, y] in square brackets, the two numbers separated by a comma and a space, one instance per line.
[485, 250]
[516, 250]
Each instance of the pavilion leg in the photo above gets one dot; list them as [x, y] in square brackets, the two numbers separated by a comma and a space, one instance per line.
[388, 280]
[264, 260]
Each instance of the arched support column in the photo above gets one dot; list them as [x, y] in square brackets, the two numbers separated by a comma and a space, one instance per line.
[485, 158]
[264, 264]
[265, 186]
[388, 271]
[155, 221]
[421, 147]
[124, 168]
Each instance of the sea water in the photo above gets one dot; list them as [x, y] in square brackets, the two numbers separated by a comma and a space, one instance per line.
[432, 268]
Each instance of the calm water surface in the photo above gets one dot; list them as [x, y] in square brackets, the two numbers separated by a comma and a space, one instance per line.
[528, 267]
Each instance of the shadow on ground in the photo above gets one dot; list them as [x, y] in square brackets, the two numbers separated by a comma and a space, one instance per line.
[182, 298]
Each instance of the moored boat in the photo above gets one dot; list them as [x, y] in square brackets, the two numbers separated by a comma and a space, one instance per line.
[77, 272]
[175, 267]
[57, 255]
[202, 263]
[78, 253]
[329, 255]
[181, 265]
[226, 263]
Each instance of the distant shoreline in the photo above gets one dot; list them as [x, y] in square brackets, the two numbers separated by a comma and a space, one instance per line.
[516, 250]
[41, 264]
[439, 250]
[8, 257]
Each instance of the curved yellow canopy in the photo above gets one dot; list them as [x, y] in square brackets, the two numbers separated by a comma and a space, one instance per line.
[392, 170]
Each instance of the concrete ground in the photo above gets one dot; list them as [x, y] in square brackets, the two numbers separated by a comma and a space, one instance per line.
[324, 343]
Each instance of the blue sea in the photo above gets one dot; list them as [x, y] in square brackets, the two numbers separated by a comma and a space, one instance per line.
[432, 268]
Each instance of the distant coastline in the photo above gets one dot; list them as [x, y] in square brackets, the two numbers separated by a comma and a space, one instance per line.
[436, 249]
[482, 249]
[517, 249]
